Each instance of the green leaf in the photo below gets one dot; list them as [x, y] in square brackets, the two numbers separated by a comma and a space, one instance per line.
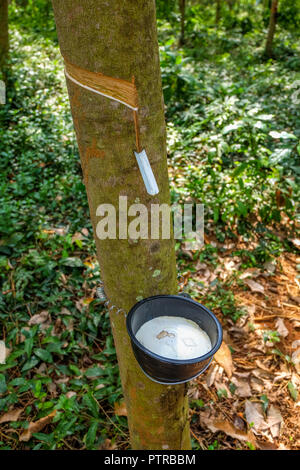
[91, 434]
[279, 155]
[293, 391]
[32, 362]
[40, 436]
[232, 127]
[28, 345]
[43, 354]
[265, 402]
[74, 369]
[3, 386]
[94, 371]
[282, 135]
[72, 262]
[264, 117]
[17, 382]
[239, 169]
[92, 405]
[216, 214]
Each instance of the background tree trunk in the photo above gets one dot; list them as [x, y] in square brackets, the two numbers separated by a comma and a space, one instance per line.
[3, 32]
[119, 39]
[271, 30]
[230, 4]
[22, 3]
[182, 22]
[218, 11]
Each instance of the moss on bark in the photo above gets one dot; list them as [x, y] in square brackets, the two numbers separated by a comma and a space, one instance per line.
[119, 39]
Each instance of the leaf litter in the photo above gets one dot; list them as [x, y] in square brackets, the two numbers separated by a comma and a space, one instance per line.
[262, 377]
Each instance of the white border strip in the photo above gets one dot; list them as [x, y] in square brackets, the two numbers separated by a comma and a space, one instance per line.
[98, 92]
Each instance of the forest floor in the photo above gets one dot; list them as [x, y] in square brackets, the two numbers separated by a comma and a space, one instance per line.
[249, 395]
[233, 142]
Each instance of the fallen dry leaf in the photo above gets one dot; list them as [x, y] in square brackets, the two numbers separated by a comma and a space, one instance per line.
[295, 343]
[164, 333]
[266, 445]
[296, 359]
[255, 286]
[107, 445]
[99, 386]
[274, 420]
[36, 426]
[211, 375]
[85, 232]
[295, 299]
[39, 318]
[120, 409]
[65, 311]
[296, 242]
[52, 389]
[224, 359]
[242, 387]
[89, 265]
[58, 230]
[63, 380]
[281, 328]
[270, 266]
[216, 425]
[79, 305]
[239, 423]
[77, 236]
[2, 352]
[250, 272]
[87, 300]
[254, 416]
[10, 416]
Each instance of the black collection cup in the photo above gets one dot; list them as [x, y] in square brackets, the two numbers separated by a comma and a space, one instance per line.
[161, 369]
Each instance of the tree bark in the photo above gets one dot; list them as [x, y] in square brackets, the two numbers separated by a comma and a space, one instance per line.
[3, 32]
[230, 4]
[218, 11]
[22, 3]
[119, 39]
[271, 30]
[182, 22]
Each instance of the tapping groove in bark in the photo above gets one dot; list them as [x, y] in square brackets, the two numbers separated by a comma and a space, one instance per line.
[3, 32]
[119, 39]
[271, 30]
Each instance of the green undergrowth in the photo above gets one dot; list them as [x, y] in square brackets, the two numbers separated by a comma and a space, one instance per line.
[233, 144]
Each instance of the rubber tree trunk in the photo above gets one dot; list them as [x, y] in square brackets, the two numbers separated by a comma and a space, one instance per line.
[271, 30]
[182, 22]
[119, 39]
[3, 32]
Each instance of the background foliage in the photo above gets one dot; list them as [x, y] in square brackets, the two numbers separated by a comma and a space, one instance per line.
[233, 144]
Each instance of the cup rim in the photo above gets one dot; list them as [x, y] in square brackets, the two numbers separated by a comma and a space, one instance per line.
[163, 358]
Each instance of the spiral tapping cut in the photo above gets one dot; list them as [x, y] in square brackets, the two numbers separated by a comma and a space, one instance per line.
[124, 92]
